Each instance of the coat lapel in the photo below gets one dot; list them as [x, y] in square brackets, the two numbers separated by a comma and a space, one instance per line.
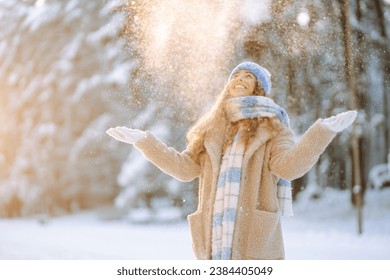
[263, 135]
[214, 144]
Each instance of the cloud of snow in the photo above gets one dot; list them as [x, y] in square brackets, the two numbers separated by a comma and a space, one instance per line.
[186, 46]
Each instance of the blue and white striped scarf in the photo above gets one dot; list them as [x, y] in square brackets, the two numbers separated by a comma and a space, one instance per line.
[229, 179]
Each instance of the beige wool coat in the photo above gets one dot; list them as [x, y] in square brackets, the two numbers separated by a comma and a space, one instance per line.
[257, 233]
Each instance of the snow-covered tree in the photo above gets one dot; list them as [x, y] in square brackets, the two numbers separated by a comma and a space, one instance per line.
[63, 75]
[302, 44]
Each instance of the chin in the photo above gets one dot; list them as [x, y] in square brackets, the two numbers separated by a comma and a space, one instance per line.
[239, 94]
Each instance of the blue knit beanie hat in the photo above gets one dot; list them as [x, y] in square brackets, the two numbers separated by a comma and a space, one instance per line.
[262, 75]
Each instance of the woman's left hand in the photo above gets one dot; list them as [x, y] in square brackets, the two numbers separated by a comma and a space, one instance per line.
[340, 121]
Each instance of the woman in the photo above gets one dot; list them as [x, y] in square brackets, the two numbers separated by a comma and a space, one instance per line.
[243, 152]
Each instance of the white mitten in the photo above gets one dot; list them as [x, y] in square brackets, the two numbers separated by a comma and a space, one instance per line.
[340, 121]
[126, 135]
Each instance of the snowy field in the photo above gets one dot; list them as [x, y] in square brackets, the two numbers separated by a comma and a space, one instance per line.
[322, 229]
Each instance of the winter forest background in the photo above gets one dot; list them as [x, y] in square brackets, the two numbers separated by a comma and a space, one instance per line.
[71, 69]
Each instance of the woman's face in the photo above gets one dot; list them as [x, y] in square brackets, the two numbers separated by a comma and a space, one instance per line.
[242, 83]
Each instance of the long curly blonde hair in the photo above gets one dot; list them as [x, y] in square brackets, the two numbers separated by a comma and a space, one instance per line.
[199, 132]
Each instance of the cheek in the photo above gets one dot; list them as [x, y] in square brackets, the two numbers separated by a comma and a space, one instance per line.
[253, 87]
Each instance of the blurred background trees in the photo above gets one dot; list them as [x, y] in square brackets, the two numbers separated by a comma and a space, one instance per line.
[63, 81]
[71, 69]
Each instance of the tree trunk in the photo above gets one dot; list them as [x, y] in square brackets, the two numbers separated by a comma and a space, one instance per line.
[386, 69]
[356, 188]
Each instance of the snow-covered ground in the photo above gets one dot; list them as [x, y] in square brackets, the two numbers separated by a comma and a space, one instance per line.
[328, 229]
[321, 229]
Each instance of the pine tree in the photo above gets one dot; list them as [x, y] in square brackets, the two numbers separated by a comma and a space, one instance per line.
[63, 74]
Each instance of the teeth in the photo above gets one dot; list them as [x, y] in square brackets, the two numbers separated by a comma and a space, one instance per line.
[240, 86]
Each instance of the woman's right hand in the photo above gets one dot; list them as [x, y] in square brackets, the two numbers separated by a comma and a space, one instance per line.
[341, 121]
[125, 134]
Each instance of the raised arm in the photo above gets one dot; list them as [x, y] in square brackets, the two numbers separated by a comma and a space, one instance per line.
[167, 159]
[291, 160]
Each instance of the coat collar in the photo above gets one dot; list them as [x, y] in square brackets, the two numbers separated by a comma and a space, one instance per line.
[263, 134]
[214, 143]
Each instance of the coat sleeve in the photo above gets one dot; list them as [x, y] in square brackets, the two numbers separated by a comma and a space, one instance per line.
[168, 160]
[290, 160]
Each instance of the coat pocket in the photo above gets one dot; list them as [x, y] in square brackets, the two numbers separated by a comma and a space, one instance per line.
[265, 239]
[197, 229]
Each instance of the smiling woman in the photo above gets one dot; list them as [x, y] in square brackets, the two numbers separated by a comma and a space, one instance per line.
[243, 83]
[244, 152]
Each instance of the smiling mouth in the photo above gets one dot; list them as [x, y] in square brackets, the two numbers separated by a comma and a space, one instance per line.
[239, 86]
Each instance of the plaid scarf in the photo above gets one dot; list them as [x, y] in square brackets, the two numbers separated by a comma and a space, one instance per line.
[229, 179]
[226, 200]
